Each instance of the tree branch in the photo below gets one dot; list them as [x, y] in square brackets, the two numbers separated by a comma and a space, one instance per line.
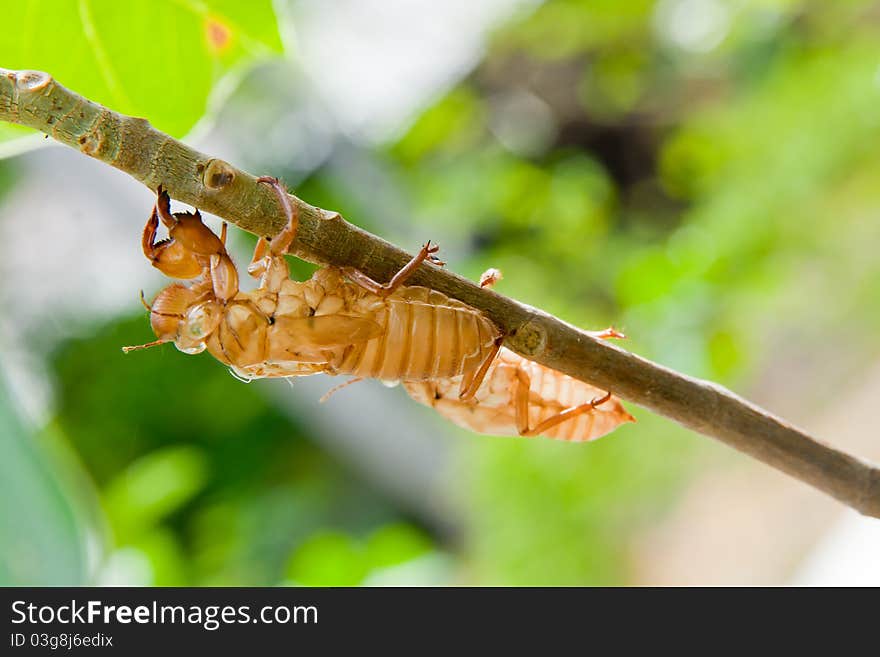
[130, 144]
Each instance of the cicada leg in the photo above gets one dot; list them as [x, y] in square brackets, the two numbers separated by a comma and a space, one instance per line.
[257, 266]
[470, 384]
[521, 400]
[490, 277]
[383, 290]
[191, 250]
[327, 395]
[610, 333]
[168, 256]
[282, 241]
[268, 263]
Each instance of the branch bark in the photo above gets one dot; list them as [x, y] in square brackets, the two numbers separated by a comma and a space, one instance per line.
[36, 100]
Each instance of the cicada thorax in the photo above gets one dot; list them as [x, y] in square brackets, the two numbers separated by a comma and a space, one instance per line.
[296, 331]
[328, 324]
[240, 337]
[255, 340]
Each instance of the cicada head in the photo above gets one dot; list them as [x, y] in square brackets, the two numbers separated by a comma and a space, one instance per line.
[184, 317]
[169, 318]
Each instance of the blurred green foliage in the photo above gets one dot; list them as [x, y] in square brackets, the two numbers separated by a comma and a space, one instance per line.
[36, 517]
[153, 59]
[200, 476]
[334, 558]
[696, 173]
[702, 174]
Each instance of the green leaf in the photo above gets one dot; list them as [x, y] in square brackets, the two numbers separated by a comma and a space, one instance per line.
[157, 59]
[40, 540]
[392, 545]
[328, 558]
[153, 487]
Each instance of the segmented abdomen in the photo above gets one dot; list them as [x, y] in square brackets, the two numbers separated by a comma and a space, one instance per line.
[493, 409]
[551, 392]
[426, 335]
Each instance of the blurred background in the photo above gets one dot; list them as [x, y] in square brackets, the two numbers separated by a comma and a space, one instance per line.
[703, 174]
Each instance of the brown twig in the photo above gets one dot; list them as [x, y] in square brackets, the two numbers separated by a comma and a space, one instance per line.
[34, 99]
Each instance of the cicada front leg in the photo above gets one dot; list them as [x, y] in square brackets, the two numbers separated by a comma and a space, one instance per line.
[169, 256]
[191, 249]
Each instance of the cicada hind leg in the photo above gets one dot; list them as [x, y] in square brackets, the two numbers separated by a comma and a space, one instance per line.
[427, 253]
[471, 382]
[521, 402]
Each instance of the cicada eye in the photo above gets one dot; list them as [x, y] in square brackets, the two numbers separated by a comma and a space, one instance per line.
[190, 347]
[201, 320]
